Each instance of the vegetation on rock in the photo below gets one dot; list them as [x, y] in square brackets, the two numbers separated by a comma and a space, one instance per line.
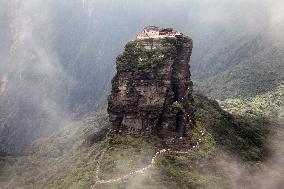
[65, 160]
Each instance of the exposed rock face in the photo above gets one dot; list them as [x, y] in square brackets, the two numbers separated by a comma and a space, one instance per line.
[152, 90]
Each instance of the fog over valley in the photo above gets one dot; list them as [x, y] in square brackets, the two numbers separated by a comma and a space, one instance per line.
[58, 58]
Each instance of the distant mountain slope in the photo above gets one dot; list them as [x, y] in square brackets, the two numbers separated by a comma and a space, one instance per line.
[270, 104]
[246, 66]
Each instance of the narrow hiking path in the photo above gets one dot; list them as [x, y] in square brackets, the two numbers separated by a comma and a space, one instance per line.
[144, 169]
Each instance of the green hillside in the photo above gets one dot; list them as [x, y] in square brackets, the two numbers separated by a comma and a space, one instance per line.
[244, 66]
[69, 158]
[270, 104]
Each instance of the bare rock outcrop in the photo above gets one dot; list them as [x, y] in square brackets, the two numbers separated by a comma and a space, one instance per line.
[152, 90]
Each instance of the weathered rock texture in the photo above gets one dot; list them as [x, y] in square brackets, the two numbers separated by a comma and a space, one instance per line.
[152, 90]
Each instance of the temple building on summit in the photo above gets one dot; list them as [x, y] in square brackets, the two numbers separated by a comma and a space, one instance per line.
[156, 32]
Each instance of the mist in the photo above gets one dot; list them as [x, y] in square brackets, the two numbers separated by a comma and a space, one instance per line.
[31, 101]
[57, 58]
[265, 175]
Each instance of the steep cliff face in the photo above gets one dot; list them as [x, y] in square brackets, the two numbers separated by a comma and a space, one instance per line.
[152, 90]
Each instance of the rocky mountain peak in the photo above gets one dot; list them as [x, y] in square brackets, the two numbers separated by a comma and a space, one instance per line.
[152, 90]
